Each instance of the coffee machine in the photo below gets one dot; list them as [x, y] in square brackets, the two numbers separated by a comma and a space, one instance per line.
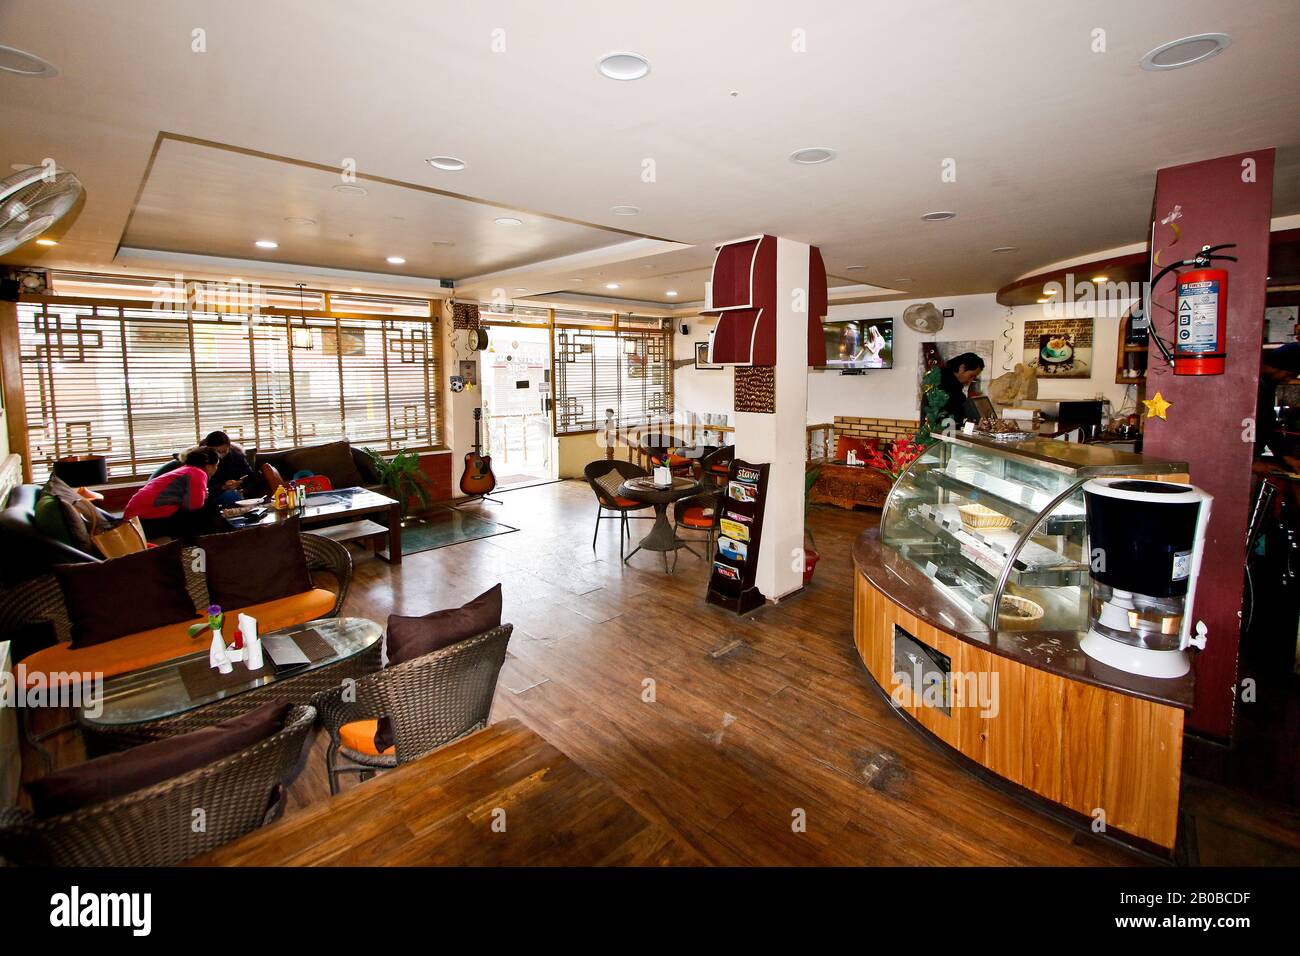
[1145, 540]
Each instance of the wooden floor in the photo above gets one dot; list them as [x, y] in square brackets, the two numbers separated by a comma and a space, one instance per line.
[724, 730]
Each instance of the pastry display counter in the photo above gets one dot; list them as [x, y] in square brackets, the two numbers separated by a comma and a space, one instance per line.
[974, 525]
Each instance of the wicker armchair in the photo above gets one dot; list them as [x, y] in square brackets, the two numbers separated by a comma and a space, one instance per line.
[604, 476]
[155, 826]
[431, 701]
[700, 513]
[41, 599]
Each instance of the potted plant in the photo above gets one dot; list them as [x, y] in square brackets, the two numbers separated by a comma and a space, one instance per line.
[402, 478]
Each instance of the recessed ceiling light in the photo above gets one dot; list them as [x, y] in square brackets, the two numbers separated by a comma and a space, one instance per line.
[521, 290]
[671, 292]
[441, 242]
[350, 189]
[396, 261]
[47, 242]
[626, 210]
[938, 216]
[236, 279]
[623, 66]
[1044, 300]
[1185, 52]
[356, 288]
[1004, 249]
[576, 280]
[299, 221]
[508, 221]
[735, 93]
[902, 279]
[24, 63]
[267, 244]
[1100, 278]
[812, 155]
[854, 268]
[448, 163]
[611, 285]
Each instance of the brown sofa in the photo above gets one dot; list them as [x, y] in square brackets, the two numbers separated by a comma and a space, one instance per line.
[344, 465]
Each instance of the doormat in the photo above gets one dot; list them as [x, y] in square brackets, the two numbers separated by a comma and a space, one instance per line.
[446, 527]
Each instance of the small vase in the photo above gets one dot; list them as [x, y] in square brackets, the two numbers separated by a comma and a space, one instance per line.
[217, 656]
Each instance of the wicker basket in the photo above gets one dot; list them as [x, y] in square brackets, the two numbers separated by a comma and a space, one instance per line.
[980, 518]
[1030, 616]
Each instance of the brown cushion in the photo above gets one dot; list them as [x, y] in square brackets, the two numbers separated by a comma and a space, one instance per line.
[116, 775]
[271, 476]
[610, 482]
[412, 637]
[333, 460]
[255, 565]
[97, 594]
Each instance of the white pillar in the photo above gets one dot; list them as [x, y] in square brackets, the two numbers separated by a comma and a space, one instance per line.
[779, 438]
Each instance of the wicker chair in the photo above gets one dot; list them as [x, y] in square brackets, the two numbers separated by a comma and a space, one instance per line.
[691, 513]
[716, 464]
[604, 476]
[41, 599]
[430, 701]
[155, 826]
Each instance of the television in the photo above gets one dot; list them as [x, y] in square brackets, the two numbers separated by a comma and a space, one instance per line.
[858, 344]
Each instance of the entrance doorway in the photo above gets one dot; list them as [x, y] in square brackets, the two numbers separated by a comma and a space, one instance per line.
[515, 372]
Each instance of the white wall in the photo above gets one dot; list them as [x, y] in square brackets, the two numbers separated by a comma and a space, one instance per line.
[892, 393]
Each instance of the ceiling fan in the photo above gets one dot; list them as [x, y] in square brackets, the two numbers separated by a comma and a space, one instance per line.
[33, 200]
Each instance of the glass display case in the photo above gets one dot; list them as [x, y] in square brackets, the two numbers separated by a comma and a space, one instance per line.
[1002, 525]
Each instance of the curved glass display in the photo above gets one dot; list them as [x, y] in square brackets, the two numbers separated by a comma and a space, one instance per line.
[1003, 525]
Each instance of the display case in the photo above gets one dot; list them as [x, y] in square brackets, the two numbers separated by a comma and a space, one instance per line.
[1000, 524]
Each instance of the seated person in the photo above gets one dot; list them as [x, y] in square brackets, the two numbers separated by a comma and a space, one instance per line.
[173, 504]
[235, 478]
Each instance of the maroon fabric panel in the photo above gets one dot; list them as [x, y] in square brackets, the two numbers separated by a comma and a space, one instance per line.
[1206, 423]
[818, 295]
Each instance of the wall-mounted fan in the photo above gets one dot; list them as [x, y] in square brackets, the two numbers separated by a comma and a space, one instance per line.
[32, 201]
[923, 317]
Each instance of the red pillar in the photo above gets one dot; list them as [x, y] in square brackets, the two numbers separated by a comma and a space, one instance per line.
[1229, 199]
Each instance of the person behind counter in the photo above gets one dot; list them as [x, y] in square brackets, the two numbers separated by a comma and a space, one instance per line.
[954, 378]
[173, 504]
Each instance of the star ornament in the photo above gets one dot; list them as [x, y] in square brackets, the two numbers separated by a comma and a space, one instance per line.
[1157, 407]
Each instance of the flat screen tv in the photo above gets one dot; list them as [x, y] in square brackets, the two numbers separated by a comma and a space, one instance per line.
[857, 344]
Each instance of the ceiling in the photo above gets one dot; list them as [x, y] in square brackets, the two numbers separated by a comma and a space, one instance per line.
[1055, 145]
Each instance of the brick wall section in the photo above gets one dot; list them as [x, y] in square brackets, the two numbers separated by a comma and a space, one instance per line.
[885, 429]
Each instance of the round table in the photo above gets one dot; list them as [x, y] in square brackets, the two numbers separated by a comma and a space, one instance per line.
[663, 536]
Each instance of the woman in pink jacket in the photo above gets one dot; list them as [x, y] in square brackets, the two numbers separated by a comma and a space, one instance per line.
[172, 505]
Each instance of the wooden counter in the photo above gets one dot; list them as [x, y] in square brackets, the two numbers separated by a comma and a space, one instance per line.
[1101, 743]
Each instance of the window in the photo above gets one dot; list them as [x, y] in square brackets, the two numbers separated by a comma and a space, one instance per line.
[138, 384]
[626, 371]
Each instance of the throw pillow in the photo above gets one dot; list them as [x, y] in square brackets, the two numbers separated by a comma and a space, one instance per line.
[412, 637]
[48, 516]
[861, 445]
[271, 476]
[58, 493]
[116, 775]
[255, 565]
[97, 594]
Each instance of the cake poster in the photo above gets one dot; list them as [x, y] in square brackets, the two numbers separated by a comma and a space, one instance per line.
[1059, 348]
[740, 491]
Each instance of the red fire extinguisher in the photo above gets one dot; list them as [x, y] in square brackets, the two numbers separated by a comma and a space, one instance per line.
[1201, 322]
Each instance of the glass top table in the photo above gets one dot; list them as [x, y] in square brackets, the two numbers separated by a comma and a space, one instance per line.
[154, 693]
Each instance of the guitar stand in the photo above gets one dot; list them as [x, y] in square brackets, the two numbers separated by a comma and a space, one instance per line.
[467, 500]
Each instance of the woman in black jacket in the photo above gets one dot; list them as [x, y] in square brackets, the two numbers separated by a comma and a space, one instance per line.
[958, 372]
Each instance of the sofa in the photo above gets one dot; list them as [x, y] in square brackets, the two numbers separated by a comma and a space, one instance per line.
[344, 465]
[40, 602]
[26, 551]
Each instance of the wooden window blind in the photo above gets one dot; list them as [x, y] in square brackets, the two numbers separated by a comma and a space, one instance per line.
[138, 384]
[626, 371]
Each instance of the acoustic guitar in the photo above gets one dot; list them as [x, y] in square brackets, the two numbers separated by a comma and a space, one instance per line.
[478, 479]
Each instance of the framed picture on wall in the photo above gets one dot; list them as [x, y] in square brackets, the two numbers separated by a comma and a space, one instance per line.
[702, 358]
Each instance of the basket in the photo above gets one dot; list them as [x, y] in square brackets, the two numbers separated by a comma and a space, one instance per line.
[1029, 616]
[980, 518]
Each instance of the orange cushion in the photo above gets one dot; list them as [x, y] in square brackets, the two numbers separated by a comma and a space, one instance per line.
[146, 648]
[359, 735]
[628, 502]
[696, 518]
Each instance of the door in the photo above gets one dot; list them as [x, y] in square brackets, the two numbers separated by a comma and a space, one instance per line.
[515, 372]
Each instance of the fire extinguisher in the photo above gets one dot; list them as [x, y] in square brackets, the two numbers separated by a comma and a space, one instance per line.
[1200, 314]
[1201, 322]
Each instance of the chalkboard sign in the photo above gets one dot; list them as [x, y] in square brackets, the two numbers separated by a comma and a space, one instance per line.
[740, 532]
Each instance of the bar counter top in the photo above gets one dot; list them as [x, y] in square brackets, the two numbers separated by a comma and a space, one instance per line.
[1056, 652]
